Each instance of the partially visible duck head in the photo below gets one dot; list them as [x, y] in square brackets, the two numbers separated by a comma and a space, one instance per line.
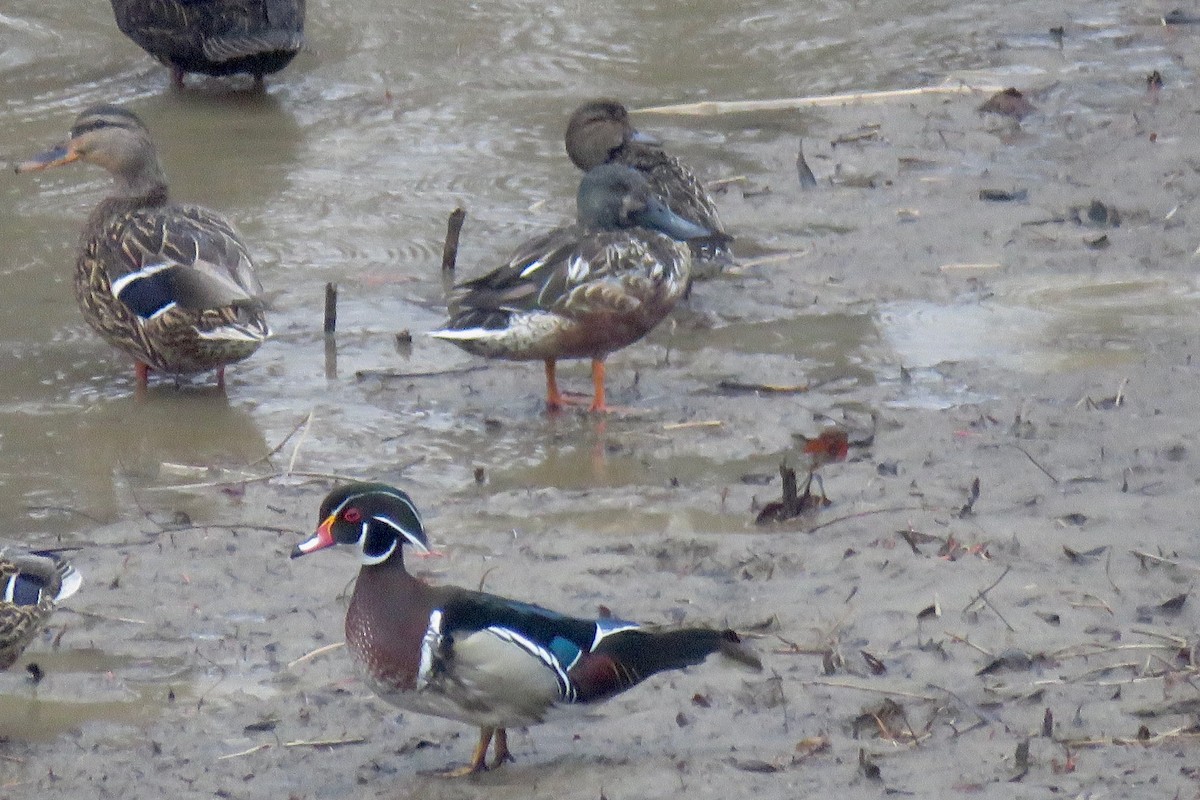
[109, 137]
[376, 518]
[597, 132]
[613, 196]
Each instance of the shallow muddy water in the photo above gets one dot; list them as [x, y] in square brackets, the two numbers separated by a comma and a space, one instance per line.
[344, 171]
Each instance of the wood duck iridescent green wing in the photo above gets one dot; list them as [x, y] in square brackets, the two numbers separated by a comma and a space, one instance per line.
[215, 37]
[599, 132]
[480, 658]
[584, 290]
[171, 286]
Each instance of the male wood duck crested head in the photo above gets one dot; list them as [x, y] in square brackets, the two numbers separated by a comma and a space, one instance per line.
[215, 37]
[31, 586]
[582, 290]
[600, 132]
[480, 658]
[171, 286]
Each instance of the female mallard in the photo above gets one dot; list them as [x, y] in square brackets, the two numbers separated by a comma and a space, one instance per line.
[31, 585]
[480, 658]
[599, 132]
[171, 286]
[582, 290]
[215, 37]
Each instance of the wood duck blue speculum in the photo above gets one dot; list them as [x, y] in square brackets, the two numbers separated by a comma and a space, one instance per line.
[599, 132]
[583, 290]
[31, 586]
[475, 657]
[172, 286]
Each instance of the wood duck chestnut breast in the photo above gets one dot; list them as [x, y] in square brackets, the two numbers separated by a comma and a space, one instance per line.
[31, 586]
[599, 132]
[583, 290]
[171, 286]
[475, 657]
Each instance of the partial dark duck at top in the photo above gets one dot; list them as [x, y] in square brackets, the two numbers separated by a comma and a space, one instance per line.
[171, 286]
[599, 132]
[215, 37]
[583, 290]
[480, 658]
[32, 584]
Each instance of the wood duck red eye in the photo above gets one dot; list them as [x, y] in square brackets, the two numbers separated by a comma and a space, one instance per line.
[352, 515]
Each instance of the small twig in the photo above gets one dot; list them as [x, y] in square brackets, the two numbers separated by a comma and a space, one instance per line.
[330, 309]
[105, 617]
[258, 748]
[453, 232]
[299, 442]
[1034, 461]
[869, 513]
[713, 107]
[863, 688]
[1161, 560]
[387, 374]
[699, 423]
[326, 742]
[278, 447]
[320, 651]
[954, 637]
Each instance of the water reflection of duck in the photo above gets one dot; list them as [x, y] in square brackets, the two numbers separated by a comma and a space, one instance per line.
[582, 290]
[31, 586]
[215, 37]
[171, 286]
[599, 132]
[479, 658]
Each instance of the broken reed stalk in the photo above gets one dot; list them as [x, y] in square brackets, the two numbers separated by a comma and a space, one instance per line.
[715, 107]
[453, 231]
[330, 308]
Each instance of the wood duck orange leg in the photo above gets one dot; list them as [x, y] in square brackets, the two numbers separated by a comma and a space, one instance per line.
[500, 750]
[478, 758]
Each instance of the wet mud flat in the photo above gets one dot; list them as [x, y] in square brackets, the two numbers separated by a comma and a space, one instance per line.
[997, 602]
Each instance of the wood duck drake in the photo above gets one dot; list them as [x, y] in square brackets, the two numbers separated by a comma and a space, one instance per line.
[171, 286]
[32, 584]
[215, 37]
[583, 290]
[479, 658]
[599, 132]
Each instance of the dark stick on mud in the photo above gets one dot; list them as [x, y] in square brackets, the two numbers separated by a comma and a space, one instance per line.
[331, 369]
[330, 308]
[453, 231]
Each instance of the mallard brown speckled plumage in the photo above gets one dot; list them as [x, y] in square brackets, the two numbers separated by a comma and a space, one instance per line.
[599, 132]
[215, 37]
[31, 586]
[172, 286]
[582, 290]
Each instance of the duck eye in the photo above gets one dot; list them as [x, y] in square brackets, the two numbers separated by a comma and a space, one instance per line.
[352, 515]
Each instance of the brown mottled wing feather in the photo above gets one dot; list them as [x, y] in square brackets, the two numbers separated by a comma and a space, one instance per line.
[568, 272]
[214, 267]
[675, 183]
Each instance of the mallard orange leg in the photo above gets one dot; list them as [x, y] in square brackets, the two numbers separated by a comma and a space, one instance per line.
[598, 406]
[555, 399]
[141, 379]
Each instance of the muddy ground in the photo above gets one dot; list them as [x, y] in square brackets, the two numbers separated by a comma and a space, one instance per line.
[1048, 359]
